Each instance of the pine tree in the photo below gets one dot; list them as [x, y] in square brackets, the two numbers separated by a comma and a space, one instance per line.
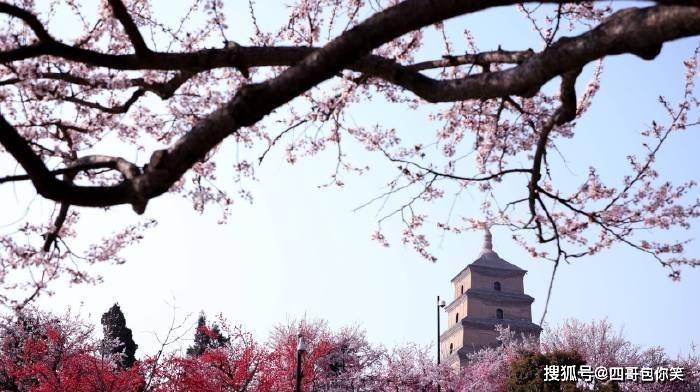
[118, 338]
[206, 338]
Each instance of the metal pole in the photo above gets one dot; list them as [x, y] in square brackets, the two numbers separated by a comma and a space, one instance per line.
[301, 347]
[437, 306]
[298, 386]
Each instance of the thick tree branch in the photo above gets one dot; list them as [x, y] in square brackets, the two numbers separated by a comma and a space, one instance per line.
[483, 59]
[249, 105]
[638, 31]
[132, 31]
[27, 17]
[624, 32]
[52, 188]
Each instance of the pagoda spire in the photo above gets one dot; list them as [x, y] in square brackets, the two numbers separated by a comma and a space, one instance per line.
[487, 247]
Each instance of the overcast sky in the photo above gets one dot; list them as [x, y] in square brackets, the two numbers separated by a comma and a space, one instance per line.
[301, 251]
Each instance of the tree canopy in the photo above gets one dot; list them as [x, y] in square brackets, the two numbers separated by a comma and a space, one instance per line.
[44, 352]
[206, 338]
[75, 110]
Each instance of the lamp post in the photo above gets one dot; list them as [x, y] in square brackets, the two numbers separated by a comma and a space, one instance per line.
[301, 347]
[440, 305]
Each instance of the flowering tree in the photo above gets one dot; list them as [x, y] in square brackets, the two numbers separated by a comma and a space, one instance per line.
[519, 364]
[40, 352]
[600, 344]
[43, 353]
[238, 364]
[206, 337]
[176, 91]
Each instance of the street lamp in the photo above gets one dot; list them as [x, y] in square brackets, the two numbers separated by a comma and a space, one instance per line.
[440, 305]
[301, 347]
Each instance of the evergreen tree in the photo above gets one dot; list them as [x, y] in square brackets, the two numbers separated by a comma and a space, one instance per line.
[206, 338]
[117, 337]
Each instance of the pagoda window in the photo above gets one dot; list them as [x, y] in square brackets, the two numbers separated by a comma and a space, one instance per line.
[497, 286]
[451, 346]
[457, 318]
[499, 314]
[462, 289]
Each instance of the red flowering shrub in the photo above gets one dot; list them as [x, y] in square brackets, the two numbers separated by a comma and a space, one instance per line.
[42, 353]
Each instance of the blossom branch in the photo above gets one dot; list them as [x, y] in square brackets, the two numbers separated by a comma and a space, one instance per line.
[122, 14]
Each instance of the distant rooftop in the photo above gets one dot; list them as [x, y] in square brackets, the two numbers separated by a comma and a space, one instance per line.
[489, 258]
